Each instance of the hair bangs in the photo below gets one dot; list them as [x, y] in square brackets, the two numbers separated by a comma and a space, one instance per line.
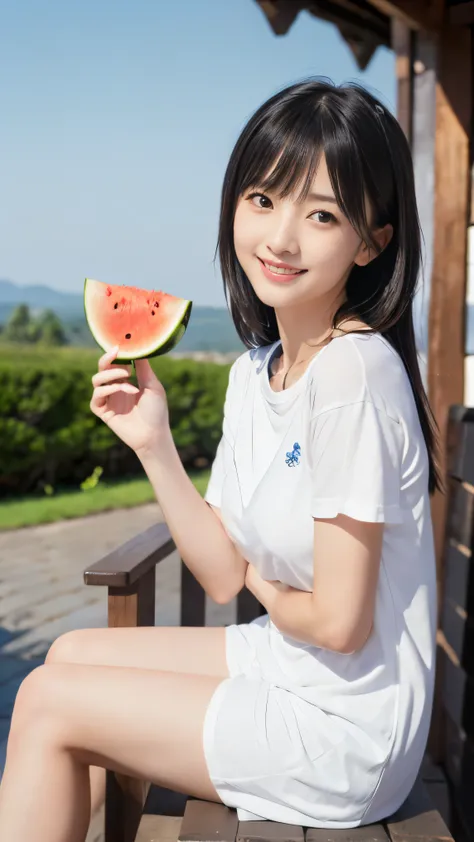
[285, 160]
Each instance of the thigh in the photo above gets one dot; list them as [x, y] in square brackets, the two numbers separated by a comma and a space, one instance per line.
[200, 650]
[143, 723]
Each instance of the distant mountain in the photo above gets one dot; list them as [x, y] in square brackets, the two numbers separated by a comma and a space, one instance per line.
[39, 296]
[209, 328]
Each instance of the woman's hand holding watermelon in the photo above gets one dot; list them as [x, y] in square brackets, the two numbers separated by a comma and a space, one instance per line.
[137, 416]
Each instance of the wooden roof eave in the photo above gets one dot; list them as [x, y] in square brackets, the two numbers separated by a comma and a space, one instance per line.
[364, 25]
[417, 14]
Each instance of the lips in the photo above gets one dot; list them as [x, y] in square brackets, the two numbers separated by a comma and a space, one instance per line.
[282, 272]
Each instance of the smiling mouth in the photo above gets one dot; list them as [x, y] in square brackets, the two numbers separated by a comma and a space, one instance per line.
[278, 270]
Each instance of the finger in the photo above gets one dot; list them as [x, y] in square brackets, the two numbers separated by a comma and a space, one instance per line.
[112, 388]
[110, 374]
[145, 373]
[106, 359]
[100, 395]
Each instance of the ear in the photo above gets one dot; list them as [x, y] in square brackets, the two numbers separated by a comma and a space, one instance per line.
[382, 237]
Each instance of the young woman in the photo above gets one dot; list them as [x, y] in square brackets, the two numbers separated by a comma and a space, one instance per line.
[317, 713]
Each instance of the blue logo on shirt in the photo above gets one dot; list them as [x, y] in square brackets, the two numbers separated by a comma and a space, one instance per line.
[293, 457]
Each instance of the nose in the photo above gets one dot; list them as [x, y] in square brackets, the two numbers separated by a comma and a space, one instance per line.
[282, 238]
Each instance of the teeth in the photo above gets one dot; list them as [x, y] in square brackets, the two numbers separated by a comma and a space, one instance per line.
[277, 270]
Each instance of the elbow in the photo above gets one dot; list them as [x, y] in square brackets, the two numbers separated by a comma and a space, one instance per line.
[221, 597]
[346, 641]
[224, 592]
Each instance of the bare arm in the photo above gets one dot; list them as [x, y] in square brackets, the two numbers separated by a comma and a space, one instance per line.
[139, 416]
[338, 614]
[196, 527]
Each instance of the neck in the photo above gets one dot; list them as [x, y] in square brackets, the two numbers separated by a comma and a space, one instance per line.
[303, 330]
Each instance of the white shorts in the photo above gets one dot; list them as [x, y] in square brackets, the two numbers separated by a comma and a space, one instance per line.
[274, 755]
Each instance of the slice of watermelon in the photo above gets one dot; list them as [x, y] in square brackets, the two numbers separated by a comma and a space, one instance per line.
[142, 322]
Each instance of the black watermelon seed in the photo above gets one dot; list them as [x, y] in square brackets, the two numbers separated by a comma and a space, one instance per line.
[115, 306]
[152, 312]
[128, 336]
[156, 304]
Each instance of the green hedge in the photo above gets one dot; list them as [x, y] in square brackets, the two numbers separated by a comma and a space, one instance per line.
[49, 435]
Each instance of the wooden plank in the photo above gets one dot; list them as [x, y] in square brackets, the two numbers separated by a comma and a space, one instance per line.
[455, 751]
[126, 564]
[193, 599]
[460, 421]
[159, 829]
[454, 690]
[134, 605]
[466, 455]
[367, 833]
[456, 583]
[460, 770]
[454, 628]
[458, 630]
[205, 821]
[417, 14]
[458, 694]
[454, 443]
[124, 802]
[462, 14]
[417, 820]
[280, 17]
[269, 832]
[460, 513]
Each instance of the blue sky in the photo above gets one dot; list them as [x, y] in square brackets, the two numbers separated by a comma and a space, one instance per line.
[118, 118]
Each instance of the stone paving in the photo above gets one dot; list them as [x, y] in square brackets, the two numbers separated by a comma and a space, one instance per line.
[42, 593]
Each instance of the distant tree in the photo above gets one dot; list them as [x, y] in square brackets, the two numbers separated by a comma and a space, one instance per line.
[50, 329]
[46, 328]
[20, 326]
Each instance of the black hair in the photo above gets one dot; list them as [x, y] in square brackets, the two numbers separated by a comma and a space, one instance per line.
[367, 154]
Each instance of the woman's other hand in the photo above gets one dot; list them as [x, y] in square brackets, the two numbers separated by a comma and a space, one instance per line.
[265, 591]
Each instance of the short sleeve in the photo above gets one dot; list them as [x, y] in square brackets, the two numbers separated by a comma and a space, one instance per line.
[218, 470]
[356, 464]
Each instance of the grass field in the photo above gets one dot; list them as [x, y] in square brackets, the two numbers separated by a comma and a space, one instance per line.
[31, 511]
[25, 355]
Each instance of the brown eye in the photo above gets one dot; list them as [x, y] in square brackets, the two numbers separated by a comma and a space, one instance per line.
[324, 217]
[261, 199]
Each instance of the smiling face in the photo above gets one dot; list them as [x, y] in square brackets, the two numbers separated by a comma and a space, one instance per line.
[312, 237]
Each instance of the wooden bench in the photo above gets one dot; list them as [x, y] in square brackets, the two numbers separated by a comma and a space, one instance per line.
[455, 680]
[129, 575]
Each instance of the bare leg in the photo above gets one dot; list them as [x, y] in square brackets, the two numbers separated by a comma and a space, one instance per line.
[143, 723]
[200, 651]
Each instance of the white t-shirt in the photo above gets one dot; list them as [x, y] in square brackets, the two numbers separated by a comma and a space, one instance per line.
[344, 438]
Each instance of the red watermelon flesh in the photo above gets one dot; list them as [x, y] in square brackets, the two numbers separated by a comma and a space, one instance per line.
[143, 323]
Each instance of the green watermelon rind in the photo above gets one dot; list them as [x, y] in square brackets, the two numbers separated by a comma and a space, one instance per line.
[167, 343]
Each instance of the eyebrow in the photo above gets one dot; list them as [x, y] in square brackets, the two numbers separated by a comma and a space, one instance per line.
[321, 197]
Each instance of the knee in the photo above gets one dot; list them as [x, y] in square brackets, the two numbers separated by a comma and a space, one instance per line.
[67, 648]
[33, 703]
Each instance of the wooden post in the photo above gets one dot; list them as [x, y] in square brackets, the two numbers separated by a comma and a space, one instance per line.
[401, 37]
[453, 108]
[451, 214]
